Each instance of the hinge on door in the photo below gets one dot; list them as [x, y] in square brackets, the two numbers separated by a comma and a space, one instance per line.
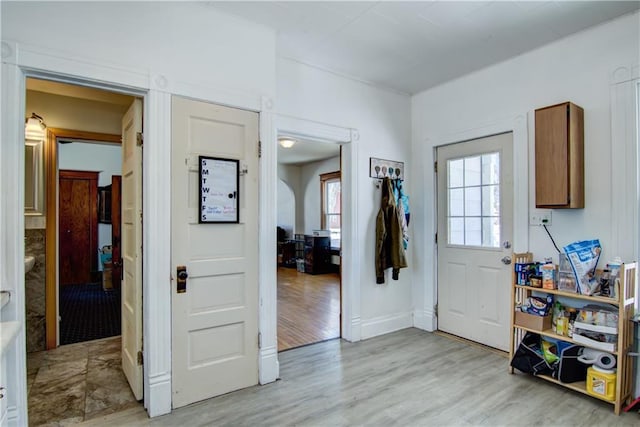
[140, 358]
[436, 239]
[259, 340]
[435, 167]
[259, 149]
[435, 310]
[139, 139]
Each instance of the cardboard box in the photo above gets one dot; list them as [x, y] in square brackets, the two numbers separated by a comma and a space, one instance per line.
[533, 322]
[107, 278]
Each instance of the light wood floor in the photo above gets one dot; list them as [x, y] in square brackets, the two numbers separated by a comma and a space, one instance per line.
[406, 378]
[308, 308]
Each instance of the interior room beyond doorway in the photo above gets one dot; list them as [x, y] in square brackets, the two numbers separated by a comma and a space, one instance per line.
[73, 294]
[309, 242]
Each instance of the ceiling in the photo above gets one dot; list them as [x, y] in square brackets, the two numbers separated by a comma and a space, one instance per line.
[304, 152]
[413, 46]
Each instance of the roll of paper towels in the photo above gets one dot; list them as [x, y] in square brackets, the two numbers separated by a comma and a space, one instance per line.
[605, 361]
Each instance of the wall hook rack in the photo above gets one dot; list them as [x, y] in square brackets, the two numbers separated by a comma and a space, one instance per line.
[381, 168]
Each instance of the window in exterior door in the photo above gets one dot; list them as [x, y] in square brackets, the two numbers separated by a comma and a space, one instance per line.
[473, 191]
[331, 205]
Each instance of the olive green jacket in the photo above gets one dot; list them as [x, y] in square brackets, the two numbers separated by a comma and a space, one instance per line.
[389, 249]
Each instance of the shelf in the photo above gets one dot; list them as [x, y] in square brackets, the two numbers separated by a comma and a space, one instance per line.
[623, 303]
[580, 386]
[600, 299]
[549, 333]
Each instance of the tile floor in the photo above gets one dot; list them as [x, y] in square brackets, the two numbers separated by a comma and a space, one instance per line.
[77, 382]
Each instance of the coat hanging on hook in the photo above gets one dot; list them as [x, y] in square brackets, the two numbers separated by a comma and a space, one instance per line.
[390, 252]
[402, 201]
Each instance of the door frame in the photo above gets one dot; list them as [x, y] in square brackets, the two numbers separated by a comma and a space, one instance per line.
[427, 318]
[347, 138]
[156, 89]
[51, 173]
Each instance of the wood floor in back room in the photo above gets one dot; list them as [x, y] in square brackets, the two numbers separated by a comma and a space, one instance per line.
[308, 308]
[405, 378]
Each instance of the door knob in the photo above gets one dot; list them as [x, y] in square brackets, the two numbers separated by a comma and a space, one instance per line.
[181, 273]
[506, 244]
[506, 260]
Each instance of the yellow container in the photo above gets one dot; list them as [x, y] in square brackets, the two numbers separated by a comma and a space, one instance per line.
[601, 383]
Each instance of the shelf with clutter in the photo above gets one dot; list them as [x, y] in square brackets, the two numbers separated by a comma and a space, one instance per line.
[572, 325]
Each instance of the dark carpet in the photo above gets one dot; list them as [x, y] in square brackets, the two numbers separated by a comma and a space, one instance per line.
[88, 313]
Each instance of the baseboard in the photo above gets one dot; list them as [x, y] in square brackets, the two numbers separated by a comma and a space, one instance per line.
[159, 401]
[269, 367]
[425, 320]
[352, 332]
[385, 324]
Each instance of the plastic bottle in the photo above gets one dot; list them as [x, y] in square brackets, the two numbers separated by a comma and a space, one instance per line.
[573, 313]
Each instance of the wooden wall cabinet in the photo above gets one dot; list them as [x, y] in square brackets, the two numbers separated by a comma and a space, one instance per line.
[560, 156]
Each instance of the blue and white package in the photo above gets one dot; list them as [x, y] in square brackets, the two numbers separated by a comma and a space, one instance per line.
[583, 257]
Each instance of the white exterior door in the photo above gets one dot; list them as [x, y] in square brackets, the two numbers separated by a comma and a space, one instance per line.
[215, 321]
[131, 286]
[475, 228]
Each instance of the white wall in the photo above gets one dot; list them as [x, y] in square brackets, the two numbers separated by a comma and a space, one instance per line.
[310, 185]
[183, 41]
[290, 174]
[576, 69]
[383, 121]
[106, 159]
[286, 208]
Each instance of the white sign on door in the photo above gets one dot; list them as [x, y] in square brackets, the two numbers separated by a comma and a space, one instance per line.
[219, 183]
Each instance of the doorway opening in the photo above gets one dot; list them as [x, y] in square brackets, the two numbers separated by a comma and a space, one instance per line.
[309, 242]
[75, 324]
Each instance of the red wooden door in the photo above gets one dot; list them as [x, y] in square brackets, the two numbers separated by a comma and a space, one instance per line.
[78, 226]
[116, 182]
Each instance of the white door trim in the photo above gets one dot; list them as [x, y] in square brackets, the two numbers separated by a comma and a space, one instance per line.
[13, 405]
[20, 61]
[348, 139]
[625, 156]
[425, 316]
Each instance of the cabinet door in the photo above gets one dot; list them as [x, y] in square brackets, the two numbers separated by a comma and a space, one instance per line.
[560, 156]
[552, 163]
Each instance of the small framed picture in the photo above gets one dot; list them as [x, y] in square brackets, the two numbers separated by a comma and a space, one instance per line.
[219, 190]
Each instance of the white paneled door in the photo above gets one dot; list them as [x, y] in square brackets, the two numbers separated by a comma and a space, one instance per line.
[131, 285]
[215, 319]
[475, 228]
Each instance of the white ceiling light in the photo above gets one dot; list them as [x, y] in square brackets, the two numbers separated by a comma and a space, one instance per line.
[286, 143]
[34, 127]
